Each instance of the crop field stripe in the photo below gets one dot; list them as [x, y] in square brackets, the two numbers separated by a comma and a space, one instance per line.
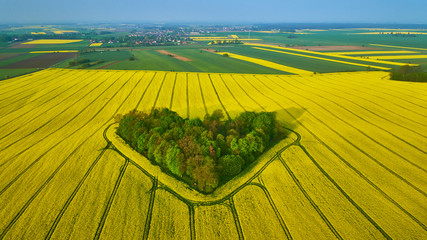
[219, 99]
[150, 210]
[236, 219]
[352, 144]
[201, 92]
[232, 95]
[60, 114]
[40, 157]
[192, 222]
[372, 52]
[372, 112]
[333, 81]
[59, 167]
[274, 207]
[381, 45]
[342, 90]
[324, 59]
[70, 199]
[158, 92]
[330, 55]
[29, 78]
[255, 101]
[400, 100]
[307, 196]
[357, 129]
[346, 163]
[38, 106]
[18, 97]
[188, 104]
[145, 90]
[47, 80]
[173, 91]
[110, 200]
[388, 57]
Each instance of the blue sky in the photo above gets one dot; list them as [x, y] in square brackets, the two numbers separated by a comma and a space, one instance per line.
[253, 11]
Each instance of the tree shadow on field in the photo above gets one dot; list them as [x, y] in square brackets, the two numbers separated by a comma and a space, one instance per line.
[290, 117]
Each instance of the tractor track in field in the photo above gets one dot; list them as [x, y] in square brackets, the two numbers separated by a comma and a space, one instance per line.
[158, 93]
[30, 78]
[392, 102]
[188, 98]
[356, 147]
[232, 95]
[145, 90]
[237, 82]
[17, 97]
[30, 95]
[333, 82]
[350, 166]
[236, 218]
[147, 224]
[310, 200]
[219, 99]
[372, 112]
[44, 112]
[111, 199]
[84, 108]
[59, 142]
[192, 222]
[357, 129]
[274, 207]
[201, 92]
[173, 90]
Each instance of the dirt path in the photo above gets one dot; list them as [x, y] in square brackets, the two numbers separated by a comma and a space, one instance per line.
[164, 52]
[107, 65]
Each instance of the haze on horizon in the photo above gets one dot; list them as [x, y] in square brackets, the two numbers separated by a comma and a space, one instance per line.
[236, 11]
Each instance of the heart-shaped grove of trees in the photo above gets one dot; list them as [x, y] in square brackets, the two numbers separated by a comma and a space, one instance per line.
[203, 153]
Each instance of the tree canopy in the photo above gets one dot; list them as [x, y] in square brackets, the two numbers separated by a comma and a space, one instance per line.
[203, 153]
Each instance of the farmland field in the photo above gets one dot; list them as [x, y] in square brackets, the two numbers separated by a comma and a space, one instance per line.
[353, 166]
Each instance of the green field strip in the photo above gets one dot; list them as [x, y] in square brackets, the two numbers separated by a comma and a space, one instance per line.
[310, 200]
[382, 45]
[385, 57]
[365, 120]
[236, 219]
[359, 90]
[13, 73]
[110, 200]
[346, 91]
[346, 163]
[356, 147]
[35, 116]
[4, 63]
[219, 99]
[321, 58]
[332, 55]
[201, 92]
[75, 116]
[274, 207]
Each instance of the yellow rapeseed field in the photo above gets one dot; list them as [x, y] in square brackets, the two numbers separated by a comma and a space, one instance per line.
[391, 46]
[352, 167]
[38, 33]
[267, 63]
[57, 51]
[398, 57]
[53, 41]
[371, 52]
[95, 44]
